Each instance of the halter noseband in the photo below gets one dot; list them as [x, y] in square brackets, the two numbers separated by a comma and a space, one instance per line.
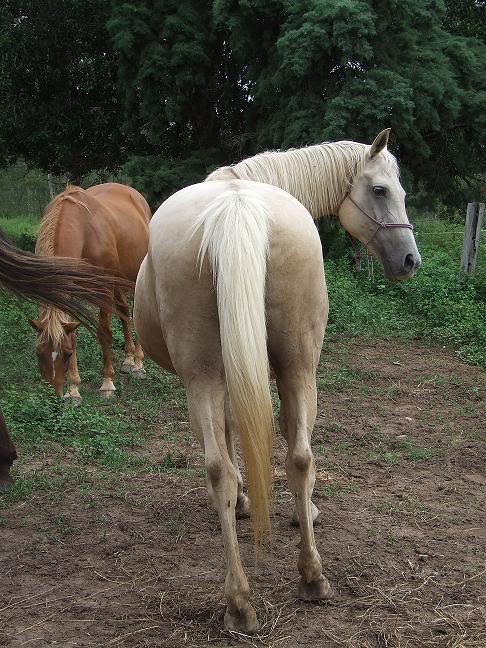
[380, 224]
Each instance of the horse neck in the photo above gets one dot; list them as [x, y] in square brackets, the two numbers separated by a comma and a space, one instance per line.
[318, 176]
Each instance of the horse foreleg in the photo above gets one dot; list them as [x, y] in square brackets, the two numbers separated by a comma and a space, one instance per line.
[206, 410]
[298, 414]
[105, 338]
[74, 379]
[242, 501]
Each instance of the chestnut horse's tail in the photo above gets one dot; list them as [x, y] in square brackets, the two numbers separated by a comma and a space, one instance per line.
[235, 237]
[67, 284]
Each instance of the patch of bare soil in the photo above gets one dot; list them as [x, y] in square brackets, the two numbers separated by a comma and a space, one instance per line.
[400, 453]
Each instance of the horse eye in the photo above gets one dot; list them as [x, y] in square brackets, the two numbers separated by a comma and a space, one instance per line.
[379, 191]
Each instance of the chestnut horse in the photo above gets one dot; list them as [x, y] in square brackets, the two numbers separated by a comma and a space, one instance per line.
[244, 233]
[61, 283]
[106, 225]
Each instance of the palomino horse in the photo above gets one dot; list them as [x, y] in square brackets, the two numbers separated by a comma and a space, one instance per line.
[61, 283]
[244, 232]
[106, 225]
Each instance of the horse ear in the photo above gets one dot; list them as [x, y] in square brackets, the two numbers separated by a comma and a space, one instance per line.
[36, 325]
[70, 327]
[381, 140]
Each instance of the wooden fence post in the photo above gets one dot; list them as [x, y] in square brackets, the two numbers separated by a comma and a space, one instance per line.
[472, 235]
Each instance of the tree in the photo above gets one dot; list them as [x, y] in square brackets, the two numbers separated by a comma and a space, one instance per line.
[58, 87]
[215, 81]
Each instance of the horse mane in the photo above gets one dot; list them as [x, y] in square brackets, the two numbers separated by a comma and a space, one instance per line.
[46, 239]
[52, 319]
[319, 176]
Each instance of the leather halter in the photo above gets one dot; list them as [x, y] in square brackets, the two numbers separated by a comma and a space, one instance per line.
[381, 224]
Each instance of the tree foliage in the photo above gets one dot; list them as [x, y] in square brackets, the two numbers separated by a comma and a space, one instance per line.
[58, 91]
[177, 87]
[219, 80]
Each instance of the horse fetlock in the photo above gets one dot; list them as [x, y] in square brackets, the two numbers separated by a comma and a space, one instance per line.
[242, 509]
[309, 565]
[316, 590]
[314, 513]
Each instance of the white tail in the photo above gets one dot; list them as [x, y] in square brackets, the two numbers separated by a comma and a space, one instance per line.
[235, 237]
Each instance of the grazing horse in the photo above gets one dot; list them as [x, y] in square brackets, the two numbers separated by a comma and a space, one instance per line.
[232, 285]
[106, 225]
[68, 285]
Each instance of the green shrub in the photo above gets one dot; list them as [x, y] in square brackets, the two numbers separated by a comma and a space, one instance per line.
[440, 303]
[21, 231]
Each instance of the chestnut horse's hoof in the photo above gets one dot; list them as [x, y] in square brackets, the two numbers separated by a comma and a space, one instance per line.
[72, 400]
[316, 590]
[107, 393]
[127, 367]
[244, 620]
[140, 373]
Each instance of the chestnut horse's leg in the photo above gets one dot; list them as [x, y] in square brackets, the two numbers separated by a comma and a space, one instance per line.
[133, 362]
[298, 413]
[205, 399]
[74, 379]
[138, 370]
[7, 455]
[105, 338]
[242, 502]
[128, 362]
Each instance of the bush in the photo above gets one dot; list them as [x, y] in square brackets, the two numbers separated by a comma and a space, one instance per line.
[21, 231]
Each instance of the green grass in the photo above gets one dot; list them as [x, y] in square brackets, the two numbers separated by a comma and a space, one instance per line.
[106, 435]
[439, 304]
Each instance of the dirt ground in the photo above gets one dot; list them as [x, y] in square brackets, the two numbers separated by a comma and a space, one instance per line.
[400, 452]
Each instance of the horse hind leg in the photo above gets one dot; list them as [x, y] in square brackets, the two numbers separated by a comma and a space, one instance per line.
[129, 360]
[133, 361]
[206, 411]
[138, 369]
[105, 337]
[299, 413]
[294, 520]
[242, 502]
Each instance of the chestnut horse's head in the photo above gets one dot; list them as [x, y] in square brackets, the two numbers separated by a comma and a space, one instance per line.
[55, 346]
[373, 211]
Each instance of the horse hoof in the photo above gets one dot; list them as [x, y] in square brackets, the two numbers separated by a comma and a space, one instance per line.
[141, 374]
[6, 483]
[315, 516]
[107, 393]
[315, 591]
[72, 400]
[242, 510]
[244, 621]
[127, 367]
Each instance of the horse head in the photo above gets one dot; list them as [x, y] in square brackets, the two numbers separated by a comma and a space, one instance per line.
[373, 211]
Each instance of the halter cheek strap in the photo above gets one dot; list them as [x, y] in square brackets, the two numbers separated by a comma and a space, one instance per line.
[381, 224]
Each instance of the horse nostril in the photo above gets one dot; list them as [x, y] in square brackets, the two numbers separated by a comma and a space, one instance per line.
[409, 263]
